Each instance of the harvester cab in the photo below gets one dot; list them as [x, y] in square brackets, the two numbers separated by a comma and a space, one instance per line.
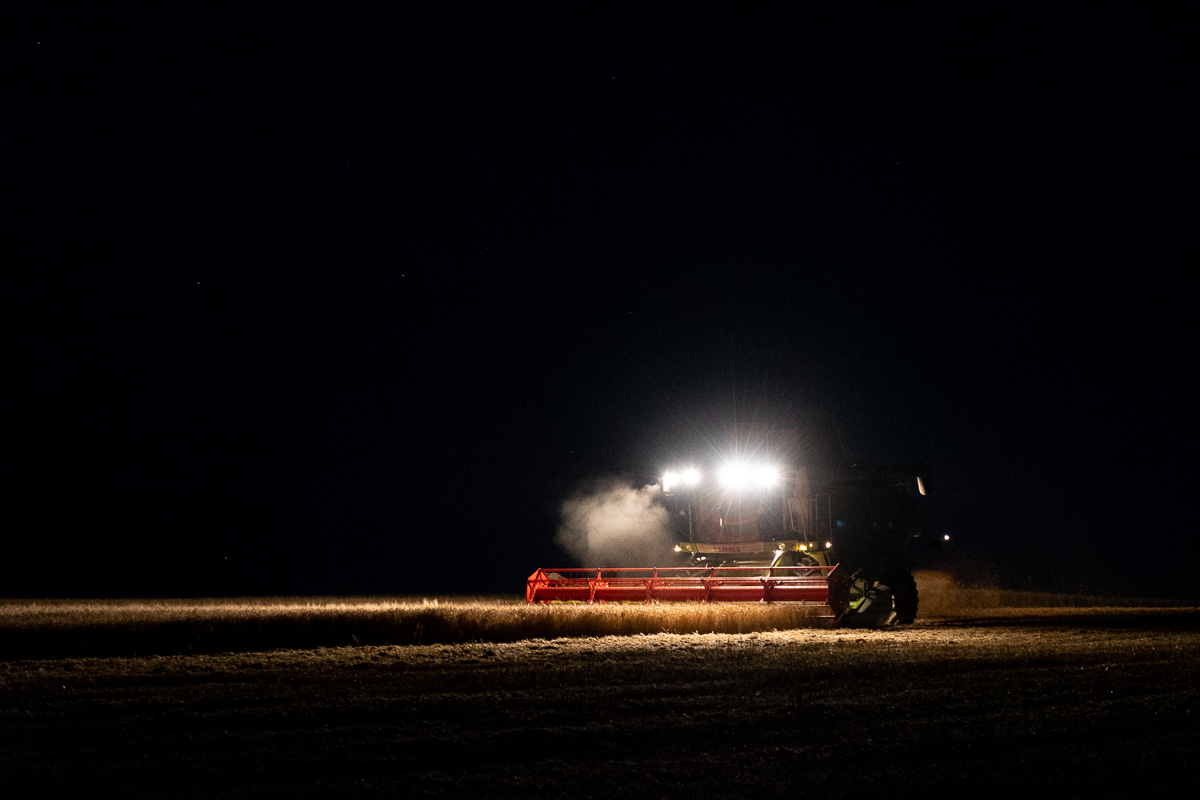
[780, 515]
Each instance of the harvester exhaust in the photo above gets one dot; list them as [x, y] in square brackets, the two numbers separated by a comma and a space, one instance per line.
[828, 587]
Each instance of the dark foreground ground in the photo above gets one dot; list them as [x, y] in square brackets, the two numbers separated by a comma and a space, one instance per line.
[1063, 702]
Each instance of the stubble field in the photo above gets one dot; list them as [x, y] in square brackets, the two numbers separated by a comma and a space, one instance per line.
[986, 695]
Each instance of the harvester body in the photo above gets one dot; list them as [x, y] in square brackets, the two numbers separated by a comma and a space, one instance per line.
[779, 515]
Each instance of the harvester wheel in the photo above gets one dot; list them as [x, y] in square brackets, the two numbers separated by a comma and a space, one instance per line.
[904, 595]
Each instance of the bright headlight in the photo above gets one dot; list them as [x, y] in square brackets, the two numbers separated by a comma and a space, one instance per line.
[734, 475]
[673, 479]
[739, 476]
[766, 476]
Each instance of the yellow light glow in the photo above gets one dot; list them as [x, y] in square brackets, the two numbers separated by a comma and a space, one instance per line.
[828, 545]
[920, 485]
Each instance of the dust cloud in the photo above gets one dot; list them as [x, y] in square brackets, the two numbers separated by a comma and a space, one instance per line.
[945, 595]
[611, 524]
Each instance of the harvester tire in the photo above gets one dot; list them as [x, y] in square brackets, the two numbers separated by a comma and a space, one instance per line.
[904, 596]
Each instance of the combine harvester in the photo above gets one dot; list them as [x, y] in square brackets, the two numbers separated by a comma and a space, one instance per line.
[785, 517]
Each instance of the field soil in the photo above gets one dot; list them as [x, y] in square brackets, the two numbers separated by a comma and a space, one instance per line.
[1067, 702]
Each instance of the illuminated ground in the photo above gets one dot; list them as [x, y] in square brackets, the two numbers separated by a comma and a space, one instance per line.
[1076, 702]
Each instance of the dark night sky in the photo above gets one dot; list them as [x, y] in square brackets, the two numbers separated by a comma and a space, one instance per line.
[349, 302]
